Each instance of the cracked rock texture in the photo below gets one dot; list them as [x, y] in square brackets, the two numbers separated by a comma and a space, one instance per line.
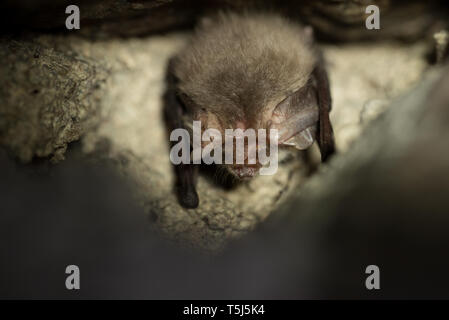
[47, 97]
[57, 89]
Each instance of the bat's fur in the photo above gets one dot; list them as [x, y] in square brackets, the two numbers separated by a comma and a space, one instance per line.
[248, 71]
[238, 65]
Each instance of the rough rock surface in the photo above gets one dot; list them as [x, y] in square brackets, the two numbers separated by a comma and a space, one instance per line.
[117, 84]
[47, 97]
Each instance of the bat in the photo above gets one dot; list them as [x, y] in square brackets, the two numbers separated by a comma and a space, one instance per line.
[249, 70]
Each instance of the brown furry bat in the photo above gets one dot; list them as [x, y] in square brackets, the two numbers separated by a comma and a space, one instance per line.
[256, 71]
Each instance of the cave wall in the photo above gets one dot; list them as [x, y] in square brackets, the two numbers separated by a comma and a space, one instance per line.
[102, 87]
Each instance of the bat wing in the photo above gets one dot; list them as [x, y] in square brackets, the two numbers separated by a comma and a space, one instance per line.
[325, 131]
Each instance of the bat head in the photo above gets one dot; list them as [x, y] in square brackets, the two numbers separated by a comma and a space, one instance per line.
[252, 71]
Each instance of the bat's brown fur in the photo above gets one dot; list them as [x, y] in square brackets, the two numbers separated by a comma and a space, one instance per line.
[238, 66]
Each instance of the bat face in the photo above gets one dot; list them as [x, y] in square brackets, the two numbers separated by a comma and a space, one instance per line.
[295, 119]
[251, 72]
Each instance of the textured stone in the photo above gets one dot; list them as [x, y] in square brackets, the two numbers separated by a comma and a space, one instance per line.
[47, 97]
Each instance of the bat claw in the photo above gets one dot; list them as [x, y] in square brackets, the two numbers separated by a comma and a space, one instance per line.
[188, 199]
